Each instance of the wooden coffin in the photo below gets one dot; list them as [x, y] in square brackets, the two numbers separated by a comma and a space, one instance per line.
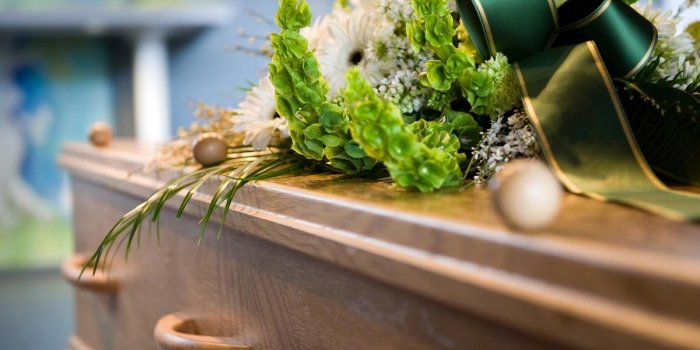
[317, 262]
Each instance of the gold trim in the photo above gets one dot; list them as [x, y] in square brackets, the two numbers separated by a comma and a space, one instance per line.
[684, 193]
[551, 40]
[555, 17]
[590, 18]
[639, 203]
[641, 162]
[486, 26]
[555, 14]
[647, 56]
[636, 87]
[545, 143]
[657, 209]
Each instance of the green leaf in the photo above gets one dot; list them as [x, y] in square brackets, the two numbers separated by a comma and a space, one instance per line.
[128, 226]
[332, 118]
[354, 150]
[332, 140]
[456, 64]
[313, 131]
[466, 128]
[437, 76]
[315, 147]
[347, 164]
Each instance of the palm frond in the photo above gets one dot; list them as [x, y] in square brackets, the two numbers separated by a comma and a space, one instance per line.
[666, 125]
[242, 166]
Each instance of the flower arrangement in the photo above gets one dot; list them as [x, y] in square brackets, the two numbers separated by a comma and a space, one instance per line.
[379, 87]
[429, 81]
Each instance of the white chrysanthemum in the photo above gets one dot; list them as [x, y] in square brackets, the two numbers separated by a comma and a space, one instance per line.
[351, 35]
[316, 32]
[397, 11]
[674, 48]
[364, 4]
[257, 118]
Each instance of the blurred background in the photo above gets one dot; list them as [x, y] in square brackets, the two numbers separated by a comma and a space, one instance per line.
[137, 65]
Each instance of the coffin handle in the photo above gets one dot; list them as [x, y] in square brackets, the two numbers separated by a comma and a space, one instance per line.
[177, 332]
[99, 281]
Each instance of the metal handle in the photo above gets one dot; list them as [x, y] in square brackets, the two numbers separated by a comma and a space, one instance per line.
[72, 267]
[176, 332]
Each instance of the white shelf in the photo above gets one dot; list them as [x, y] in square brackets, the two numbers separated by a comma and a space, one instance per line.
[108, 21]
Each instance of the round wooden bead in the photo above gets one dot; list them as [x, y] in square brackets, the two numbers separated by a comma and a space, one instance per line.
[526, 194]
[100, 135]
[210, 150]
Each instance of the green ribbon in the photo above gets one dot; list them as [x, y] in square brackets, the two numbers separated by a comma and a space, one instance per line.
[571, 99]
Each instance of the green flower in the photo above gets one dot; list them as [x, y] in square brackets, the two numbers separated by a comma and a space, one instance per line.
[431, 28]
[319, 129]
[490, 89]
[437, 76]
[465, 127]
[293, 15]
[504, 92]
[422, 155]
[466, 44]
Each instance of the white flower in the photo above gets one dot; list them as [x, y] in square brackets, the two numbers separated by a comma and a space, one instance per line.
[397, 11]
[506, 140]
[404, 90]
[351, 35]
[257, 118]
[364, 4]
[674, 48]
[316, 32]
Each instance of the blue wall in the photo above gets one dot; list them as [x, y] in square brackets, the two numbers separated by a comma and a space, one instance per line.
[205, 68]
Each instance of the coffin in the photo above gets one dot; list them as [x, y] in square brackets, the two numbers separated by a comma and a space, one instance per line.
[321, 262]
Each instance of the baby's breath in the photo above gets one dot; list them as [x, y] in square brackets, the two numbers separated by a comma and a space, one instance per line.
[509, 137]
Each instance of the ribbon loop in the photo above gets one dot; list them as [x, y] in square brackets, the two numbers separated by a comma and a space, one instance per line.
[572, 103]
[522, 28]
[579, 138]
[516, 28]
[625, 38]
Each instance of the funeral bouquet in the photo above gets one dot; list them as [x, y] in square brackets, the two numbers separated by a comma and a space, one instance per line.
[433, 94]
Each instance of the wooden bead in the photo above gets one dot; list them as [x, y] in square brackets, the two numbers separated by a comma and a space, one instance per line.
[100, 135]
[526, 194]
[210, 150]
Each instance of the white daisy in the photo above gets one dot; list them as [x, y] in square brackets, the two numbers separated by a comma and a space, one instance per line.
[364, 4]
[257, 118]
[674, 48]
[351, 35]
[316, 32]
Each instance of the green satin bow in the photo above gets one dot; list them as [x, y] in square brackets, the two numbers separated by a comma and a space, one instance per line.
[564, 58]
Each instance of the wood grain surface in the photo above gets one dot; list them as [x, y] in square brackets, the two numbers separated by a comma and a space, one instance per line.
[314, 262]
